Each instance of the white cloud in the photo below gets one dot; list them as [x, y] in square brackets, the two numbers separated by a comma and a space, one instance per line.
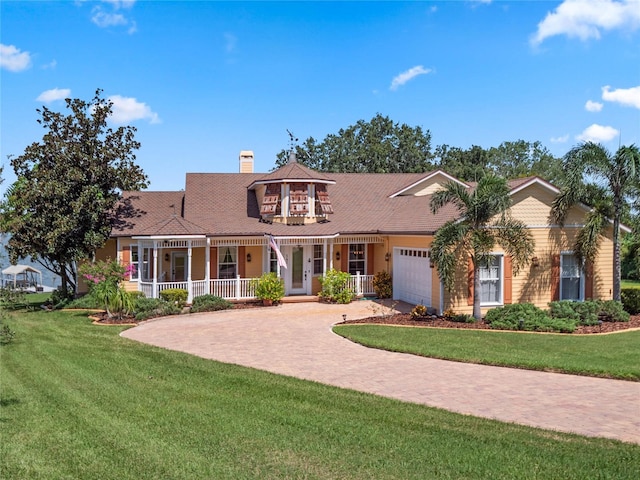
[230, 41]
[598, 133]
[128, 109]
[104, 20]
[117, 4]
[629, 97]
[12, 59]
[54, 94]
[592, 106]
[562, 139]
[113, 18]
[410, 74]
[585, 19]
[52, 64]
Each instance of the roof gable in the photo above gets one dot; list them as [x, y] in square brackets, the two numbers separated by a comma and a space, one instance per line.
[428, 184]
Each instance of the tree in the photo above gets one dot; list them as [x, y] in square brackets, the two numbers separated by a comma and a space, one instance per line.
[522, 159]
[509, 160]
[377, 146]
[61, 208]
[467, 165]
[606, 182]
[483, 222]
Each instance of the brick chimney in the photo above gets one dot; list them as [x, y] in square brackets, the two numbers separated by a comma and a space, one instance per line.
[246, 161]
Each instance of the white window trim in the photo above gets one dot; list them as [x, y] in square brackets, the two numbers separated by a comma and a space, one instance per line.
[582, 278]
[135, 278]
[220, 254]
[364, 260]
[500, 302]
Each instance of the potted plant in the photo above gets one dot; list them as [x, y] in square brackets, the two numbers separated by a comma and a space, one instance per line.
[270, 288]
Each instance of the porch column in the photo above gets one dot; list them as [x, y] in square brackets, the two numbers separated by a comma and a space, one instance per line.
[324, 257]
[189, 282]
[207, 261]
[330, 255]
[155, 270]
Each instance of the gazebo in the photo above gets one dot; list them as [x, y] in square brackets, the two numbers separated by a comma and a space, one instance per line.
[22, 276]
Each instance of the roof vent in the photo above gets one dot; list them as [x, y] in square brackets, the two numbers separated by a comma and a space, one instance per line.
[246, 161]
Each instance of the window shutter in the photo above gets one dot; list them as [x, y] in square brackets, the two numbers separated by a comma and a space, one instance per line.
[369, 258]
[588, 281]
[508, 278]
[344, 258]
[298, 199]
[241, 260]
[126, 255]
[555, 278]
[323, 198]
[270, 200]
[470, 281]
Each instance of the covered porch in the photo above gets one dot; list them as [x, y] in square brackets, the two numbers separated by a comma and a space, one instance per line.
[228, 267]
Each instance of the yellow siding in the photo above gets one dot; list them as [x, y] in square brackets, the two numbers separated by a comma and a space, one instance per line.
[533, 284]
[253, 269]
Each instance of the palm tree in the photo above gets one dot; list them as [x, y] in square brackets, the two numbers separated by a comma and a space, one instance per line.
[612, 180]
[483, 222]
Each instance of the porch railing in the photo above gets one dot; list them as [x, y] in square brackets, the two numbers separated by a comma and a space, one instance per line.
[361, 284]
[239, 288]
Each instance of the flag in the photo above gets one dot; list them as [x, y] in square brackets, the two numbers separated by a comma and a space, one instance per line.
[274, 246]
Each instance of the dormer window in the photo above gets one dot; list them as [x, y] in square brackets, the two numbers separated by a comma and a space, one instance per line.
[298, 199]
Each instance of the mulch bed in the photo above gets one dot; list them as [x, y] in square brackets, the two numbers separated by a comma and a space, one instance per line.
[405, 319]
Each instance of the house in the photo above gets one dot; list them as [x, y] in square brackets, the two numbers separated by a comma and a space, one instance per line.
[223, 230]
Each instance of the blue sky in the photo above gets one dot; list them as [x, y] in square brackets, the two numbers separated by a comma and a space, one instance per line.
[203, 80]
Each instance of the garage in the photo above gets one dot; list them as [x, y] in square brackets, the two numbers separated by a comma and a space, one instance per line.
[412, 275]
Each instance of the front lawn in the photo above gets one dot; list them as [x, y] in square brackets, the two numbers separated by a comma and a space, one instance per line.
[78, 401]
[613, 356]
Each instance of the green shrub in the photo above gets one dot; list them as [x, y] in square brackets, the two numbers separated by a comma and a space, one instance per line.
[462, 318]
[210, 303]
[613, 311]
[177, 296]
[588, 311]
[87, 300]
[270, 287]
[526, 316]
[335, 287]
[12, 297]
[6, 334]
[564, 309]
[631, 300]
[60, 298]
[145, 308]
[383, 285]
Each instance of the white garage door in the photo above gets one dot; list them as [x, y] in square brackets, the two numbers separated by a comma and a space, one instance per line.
[412, 275]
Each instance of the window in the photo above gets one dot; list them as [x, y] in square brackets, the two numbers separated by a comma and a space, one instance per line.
[318, 260]
[227, 262]
[133, 274]
[491, 282]
[273, 260]
[571, 277]
[356, 258]
[146, 268]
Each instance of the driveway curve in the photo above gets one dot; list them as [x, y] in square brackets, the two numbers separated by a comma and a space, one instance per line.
[296, 340]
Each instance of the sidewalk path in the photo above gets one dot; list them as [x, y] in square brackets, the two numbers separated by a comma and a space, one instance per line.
[296, 340]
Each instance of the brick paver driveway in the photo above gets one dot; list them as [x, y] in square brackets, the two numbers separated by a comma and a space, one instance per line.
[296, 340]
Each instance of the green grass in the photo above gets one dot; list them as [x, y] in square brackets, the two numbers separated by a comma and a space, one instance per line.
[610, 356]
[630, 283]
[79, 402]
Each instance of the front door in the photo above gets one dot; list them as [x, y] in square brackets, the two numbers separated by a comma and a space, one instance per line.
[178, 267]
[297, 272]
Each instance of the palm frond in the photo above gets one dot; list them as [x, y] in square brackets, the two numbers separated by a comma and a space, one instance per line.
[590, 236]
[517, 241]
[451, 192]
[448, 244]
